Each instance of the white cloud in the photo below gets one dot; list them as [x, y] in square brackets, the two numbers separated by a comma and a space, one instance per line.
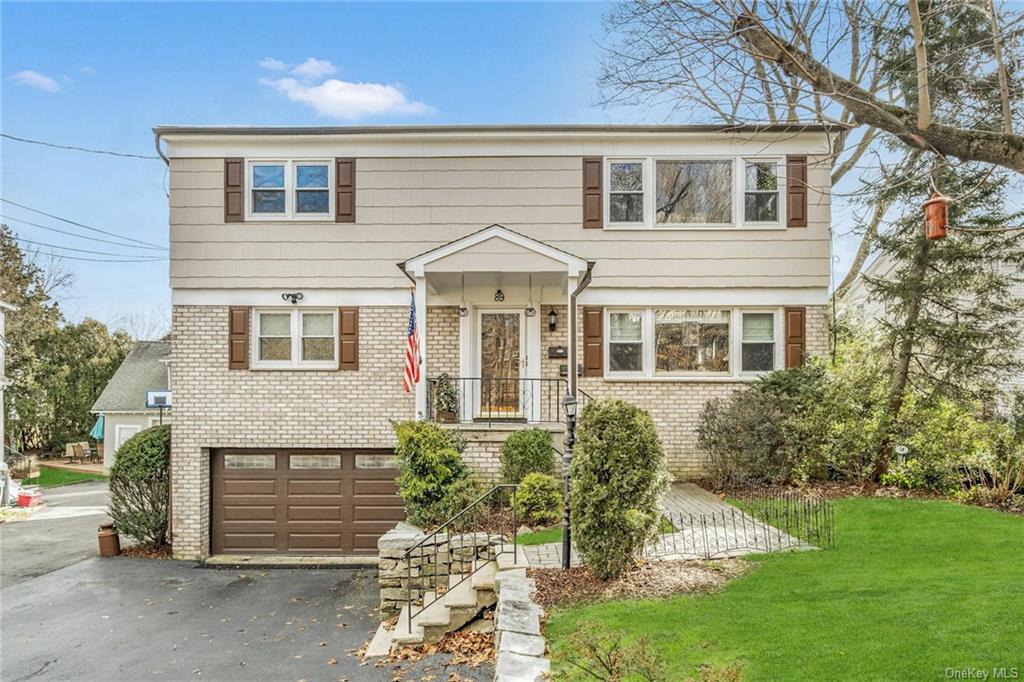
[314, 69]
[88, 71]
[35, 79]
[272, 64]
[343, 99]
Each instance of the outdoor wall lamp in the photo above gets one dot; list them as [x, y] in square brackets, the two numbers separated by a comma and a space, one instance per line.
[293, 298]
[552, 320]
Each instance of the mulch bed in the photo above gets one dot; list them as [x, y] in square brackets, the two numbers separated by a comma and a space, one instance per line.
[646, 580]
[147, 551]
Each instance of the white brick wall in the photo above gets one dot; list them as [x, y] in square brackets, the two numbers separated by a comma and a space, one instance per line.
[216, 407]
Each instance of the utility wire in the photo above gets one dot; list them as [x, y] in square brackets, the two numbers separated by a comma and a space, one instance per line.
[101, 260]
[77, 224]
[79, 236]
[97, 253]
[79, 149]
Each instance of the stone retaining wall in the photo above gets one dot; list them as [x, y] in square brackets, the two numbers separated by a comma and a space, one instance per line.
[431, 563]
[518, 642]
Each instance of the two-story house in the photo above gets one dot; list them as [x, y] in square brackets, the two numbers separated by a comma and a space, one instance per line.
[683, 260]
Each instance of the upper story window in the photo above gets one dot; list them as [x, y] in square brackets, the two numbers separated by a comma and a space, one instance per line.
[289, 190]
[626, 191]
[295, 339]
[695, 193]
[761, 191]
[693, 343]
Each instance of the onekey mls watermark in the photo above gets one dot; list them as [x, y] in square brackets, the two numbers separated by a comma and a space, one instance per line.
[993, 673]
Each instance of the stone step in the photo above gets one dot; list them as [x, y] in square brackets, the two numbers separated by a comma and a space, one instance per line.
[508, 560]
[460, 592]
[483, 579]
[380, 645]
[402, 635]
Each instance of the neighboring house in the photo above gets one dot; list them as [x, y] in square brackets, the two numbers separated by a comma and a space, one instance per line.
[863, 305]
[122, 404]
[694, 258]
[4, 309]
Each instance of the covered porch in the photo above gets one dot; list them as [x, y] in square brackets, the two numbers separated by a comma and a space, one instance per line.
[495, 312]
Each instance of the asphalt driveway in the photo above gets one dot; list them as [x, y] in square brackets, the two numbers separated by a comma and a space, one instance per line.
[60, 534]
[130, 619]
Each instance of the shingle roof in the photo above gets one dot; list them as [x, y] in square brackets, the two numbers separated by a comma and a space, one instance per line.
[144, 369]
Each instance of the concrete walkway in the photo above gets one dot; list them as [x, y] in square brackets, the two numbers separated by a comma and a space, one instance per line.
[704, 527]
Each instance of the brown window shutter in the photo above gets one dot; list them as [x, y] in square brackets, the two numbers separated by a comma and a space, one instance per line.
[234, 190]
[593, 172]
[345, 190]
[796, 191]
[796, 336]
[348, 338]
[238, 338]
[593, 341]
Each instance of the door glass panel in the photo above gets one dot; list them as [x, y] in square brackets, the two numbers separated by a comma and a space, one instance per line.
[314, 462]
[499, 364]
[375, 462]
[250, 461]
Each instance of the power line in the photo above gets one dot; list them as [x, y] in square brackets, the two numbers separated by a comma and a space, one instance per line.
[77, 224]
[79, 236]
[97, 253]
[101, 260]
[79, 149]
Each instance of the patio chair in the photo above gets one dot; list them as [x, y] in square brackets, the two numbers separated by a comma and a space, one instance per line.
[88, 453]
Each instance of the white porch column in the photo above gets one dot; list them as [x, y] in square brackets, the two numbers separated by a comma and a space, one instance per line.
[421, 325]
[570, 310]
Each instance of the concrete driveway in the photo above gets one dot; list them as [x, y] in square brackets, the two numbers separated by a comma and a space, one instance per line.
[61, 534]
[131, 619]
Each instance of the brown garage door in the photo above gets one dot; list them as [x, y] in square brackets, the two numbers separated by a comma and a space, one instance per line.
[302, 501]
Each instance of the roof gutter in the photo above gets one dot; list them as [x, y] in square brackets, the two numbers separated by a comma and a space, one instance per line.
[583, 284]
[156, 142]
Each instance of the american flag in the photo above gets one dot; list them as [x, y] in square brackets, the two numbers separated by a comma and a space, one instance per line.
[412, 350]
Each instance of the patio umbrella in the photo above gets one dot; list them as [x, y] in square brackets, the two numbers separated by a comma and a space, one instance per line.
[97, 429]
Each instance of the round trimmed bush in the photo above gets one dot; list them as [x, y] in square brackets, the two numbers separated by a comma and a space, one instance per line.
[525, 452]
[618, 475]
[140, 486]
[538, 499]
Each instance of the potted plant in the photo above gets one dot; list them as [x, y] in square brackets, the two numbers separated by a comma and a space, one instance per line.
[447, 399]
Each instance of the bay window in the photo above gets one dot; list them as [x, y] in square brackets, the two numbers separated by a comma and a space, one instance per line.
[295, 339]
[289, 190]
[691, 343]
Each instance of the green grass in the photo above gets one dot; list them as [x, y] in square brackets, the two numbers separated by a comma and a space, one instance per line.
[554, 534]
[51, 478]
[912, 588]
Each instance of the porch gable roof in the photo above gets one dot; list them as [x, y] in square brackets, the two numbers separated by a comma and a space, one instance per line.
[574, 265]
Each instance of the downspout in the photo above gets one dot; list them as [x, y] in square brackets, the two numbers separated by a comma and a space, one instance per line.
[584, 283]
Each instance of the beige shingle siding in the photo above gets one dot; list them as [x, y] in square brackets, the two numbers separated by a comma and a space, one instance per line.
[406, 206]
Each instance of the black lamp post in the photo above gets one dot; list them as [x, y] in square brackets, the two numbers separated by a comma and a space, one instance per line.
[569, 404]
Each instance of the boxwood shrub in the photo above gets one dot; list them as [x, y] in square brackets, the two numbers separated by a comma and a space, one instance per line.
[140, 486]
[525, 452]
[618, 474]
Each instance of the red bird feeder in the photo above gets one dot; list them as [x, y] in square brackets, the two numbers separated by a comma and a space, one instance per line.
[935, 213]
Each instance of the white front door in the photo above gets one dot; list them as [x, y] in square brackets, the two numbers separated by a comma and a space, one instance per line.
[501, 360]
[123, 432]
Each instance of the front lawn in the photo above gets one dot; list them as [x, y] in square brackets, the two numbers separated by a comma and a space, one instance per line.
[51, 478]
[913, 588]
[554, 534]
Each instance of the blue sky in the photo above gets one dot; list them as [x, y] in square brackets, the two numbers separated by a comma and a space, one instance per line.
[102, 75]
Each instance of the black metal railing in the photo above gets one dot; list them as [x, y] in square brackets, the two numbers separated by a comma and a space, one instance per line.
[441, 555]
[761, 522]
[452, 399]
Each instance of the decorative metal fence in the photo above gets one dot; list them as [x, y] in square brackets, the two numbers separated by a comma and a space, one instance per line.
[762, 520]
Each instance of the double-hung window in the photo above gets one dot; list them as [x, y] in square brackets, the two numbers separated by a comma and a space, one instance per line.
[295, 339]
[669, 343]
[626, 192]
[761, 191]
[289, 190]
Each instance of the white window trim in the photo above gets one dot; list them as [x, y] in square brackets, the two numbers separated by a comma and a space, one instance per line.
[290, 190]
[645, 181]
[780, 187]
[119, 428]
[650, 190]
[296, 361]
[648, 374]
